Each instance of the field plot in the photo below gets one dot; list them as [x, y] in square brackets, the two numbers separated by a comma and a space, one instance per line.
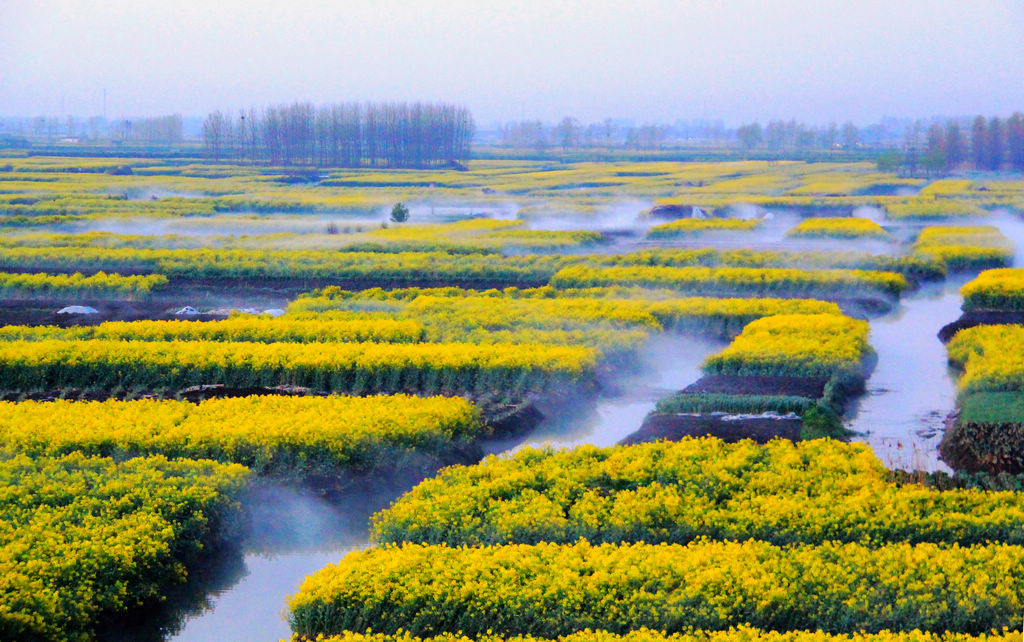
[270, 332]
[85, 537]
[737, 281]
[271, 435]
[550, 589]
[965, 248]
[841, 228]
[695, 227]
[678, 492]
[736, 634]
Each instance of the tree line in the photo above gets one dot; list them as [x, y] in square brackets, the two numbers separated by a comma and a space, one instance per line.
[781, 134]
[161, 129]
[569, 134]
[990, 144]
[343, 135]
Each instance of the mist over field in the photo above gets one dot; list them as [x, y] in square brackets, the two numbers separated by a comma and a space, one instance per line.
[538, 321]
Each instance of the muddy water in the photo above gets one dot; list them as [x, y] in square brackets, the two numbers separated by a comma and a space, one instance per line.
[297, 534]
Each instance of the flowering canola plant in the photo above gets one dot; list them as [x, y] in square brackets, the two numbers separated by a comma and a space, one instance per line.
[239, 328]
[782, 492]
[838, 227]
[732, 634]
[808, 345]
[732, 281]
[269, 434]
[100, 284]
[698, 226]
[998, 289]
[82, 537]
[357, 368]
[549, 590]
[991, 357]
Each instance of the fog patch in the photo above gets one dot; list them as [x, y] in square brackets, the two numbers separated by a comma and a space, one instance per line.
[621, 216]
[912, 388]
[666, 364]
[748, 211]
[229, 225]
[1012, 225]
[155, 194]
[283, 519]
[434, 212]
[871, 213]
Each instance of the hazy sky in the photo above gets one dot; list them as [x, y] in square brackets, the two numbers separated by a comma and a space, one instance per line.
[815, 60]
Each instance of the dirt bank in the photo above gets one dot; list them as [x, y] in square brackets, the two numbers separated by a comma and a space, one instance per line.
[730, 428]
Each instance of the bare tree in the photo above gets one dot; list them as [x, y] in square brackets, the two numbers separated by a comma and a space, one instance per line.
[215, 134]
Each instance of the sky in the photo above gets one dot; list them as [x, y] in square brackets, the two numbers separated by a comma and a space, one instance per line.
[645, 60]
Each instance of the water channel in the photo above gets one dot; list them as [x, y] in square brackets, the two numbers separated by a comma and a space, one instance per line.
[901, 416]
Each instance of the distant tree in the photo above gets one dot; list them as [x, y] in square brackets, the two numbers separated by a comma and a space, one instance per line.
[1015, 140]
[215, 133]
[804, 136]
[775, 134]
[936, 141]
[956, 145]
[850, 135]
[647, 136]
[609, 131]
[399, 213]
[750, 135]
[829, 136]
[912, 148]
[889, 161]
[995, 145]
[934, 159]
[345, 135]
[96, 127]
[568, 131]
[979, 142]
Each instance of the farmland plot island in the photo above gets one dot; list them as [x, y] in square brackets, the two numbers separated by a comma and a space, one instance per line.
[358, 372]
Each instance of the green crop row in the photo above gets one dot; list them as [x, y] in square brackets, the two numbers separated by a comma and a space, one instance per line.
[915, 267]
[406, 267]
[737, 404]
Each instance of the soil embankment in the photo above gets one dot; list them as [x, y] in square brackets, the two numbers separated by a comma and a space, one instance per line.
[730, 428]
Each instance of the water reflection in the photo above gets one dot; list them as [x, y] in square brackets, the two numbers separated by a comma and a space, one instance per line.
[292, 532]
[912, 389]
